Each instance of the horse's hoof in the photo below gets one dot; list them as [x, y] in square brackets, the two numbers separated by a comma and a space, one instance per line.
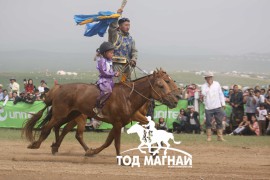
[33, 145]
[90, 152]
[54, 150]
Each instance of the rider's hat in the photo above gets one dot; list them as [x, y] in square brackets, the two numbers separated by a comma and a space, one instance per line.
[105, 46]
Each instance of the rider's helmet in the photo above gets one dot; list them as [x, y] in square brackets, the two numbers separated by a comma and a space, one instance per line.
[105, 46]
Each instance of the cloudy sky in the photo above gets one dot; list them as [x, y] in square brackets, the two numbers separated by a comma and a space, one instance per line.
[163, 27]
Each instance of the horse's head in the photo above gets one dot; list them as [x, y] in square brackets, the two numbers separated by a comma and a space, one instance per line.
[171, 83]
[134, 129]
[164, 89]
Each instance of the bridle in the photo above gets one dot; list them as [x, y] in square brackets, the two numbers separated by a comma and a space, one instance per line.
[160, 99]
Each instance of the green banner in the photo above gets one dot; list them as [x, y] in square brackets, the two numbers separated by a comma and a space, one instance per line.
[13, 116]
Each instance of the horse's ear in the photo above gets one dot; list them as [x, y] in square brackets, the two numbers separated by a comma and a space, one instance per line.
[154, 73]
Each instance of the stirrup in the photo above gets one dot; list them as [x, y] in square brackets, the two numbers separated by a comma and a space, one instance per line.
[98, 113]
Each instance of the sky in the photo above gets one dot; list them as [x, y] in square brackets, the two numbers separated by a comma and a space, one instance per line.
[176, 27]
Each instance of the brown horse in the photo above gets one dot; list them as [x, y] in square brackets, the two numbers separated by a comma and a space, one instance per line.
[71, 100]
[80, 121]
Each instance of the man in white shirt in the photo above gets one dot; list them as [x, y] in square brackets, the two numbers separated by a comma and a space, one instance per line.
[214, 101]
[14, 86]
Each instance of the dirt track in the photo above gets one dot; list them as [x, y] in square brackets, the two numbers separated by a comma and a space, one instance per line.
[209, 162]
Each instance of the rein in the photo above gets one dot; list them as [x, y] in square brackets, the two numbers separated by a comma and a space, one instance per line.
[133, 86]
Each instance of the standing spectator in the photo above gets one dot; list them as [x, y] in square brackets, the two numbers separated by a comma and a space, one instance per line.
[190, 92]
[29, 86]
[251, 102]
[263, 91]
[225, 90]
[267, 101]
[236, 102]
[259, 96]
[268, 127]
[261, 117]
[181, 122]
[14, 86]
[193, 121]
[162, 124]
[6, 98]
[1, 92]
[214, 101]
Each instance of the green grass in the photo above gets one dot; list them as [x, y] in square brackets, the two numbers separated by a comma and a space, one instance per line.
[187, 139]
[91, 77]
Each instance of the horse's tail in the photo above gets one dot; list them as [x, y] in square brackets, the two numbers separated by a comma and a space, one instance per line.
[175, 142]
[30, 124]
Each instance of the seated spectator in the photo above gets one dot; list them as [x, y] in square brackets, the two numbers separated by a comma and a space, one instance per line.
[244, 124]
[225, 123]
[37, 95]
[261, 117]
[43, 88]
[5, 99]
[29, 86]
[162, 124]
[15, 98]
[180, 124]
[193, 121]
[14, 87]
[1, 92]
[252, 128]
[30, 98]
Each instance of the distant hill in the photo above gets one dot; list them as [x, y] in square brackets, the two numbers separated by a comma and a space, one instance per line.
[33, 60]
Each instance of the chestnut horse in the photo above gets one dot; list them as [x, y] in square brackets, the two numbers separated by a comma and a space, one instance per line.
[139, 116]
[70, 101]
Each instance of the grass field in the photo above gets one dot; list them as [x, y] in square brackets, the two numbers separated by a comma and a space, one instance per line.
[184, 78]
[187, 139]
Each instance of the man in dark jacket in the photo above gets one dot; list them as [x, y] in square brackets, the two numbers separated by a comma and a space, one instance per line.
[236, 102]
[193, 121]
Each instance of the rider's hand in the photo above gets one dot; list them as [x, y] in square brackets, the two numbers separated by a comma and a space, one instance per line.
[117, 74]
[119, 11]
[132, 63]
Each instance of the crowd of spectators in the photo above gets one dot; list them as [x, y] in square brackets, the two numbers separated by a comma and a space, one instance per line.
[29, 94]
[250, 113]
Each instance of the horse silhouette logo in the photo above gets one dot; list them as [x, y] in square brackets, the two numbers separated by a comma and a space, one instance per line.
[152, 136]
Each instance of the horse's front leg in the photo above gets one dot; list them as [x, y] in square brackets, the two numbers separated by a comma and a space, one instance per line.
[117, 137]
[108, 142]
